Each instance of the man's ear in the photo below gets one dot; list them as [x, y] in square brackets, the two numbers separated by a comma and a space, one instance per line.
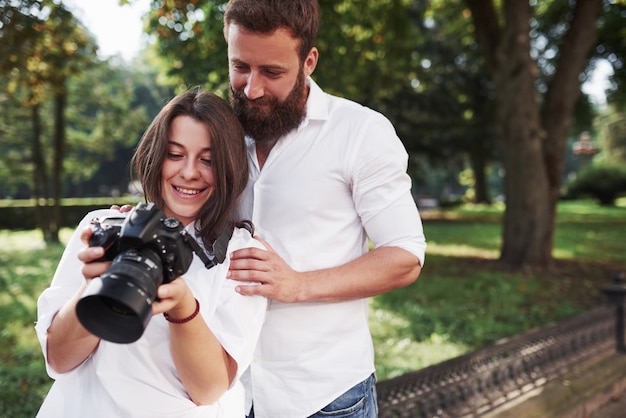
[310, 62]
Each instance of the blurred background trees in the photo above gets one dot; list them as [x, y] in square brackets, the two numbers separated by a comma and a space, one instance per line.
[486, 95]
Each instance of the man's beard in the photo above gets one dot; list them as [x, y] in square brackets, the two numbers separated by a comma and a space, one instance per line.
[276, 119]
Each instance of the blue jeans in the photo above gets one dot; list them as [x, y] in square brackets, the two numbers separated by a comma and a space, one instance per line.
[358, 402]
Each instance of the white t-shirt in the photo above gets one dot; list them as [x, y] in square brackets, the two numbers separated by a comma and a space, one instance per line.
[327, 187]
[140, 379]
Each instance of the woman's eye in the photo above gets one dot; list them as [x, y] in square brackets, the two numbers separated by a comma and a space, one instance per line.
[173, 156]
[206, 161]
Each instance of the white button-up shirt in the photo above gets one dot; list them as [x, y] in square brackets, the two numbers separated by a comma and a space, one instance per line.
[325, 188]
[140, 379]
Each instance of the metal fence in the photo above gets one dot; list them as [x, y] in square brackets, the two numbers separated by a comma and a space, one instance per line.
[478, 382]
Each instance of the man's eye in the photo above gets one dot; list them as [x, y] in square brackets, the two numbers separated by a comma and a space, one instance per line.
[239, 67]
[273, 74]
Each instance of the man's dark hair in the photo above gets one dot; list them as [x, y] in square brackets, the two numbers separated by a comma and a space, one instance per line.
[300, 17]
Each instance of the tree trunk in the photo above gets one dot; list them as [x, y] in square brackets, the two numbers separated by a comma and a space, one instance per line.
[563, 92]
[478, 157]
[532, 143]
[60, 100]
[520, 136]
[40, 179]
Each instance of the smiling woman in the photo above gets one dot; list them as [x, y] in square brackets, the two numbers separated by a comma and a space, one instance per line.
[118, 29]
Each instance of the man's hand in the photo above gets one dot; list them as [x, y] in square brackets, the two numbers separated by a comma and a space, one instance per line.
[123, 208]
[271, 275]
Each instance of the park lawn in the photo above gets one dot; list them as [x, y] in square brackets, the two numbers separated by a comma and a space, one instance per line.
[463, 299]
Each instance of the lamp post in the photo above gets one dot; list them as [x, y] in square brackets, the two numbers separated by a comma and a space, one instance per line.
[616, 296]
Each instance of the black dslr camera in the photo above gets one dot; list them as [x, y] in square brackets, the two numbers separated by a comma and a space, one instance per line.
[147, 249]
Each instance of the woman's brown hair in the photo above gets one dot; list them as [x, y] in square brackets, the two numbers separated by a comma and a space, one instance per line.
[228, 156]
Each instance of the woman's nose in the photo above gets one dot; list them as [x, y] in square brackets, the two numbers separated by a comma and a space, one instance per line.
[190, 170]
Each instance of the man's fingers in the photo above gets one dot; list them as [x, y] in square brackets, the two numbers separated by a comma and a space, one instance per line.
[248, 253]
[251, 290]
[123, 208]
[262, 241]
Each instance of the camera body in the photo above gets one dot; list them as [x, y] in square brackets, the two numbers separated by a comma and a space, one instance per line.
[145, 227]
[146, 249]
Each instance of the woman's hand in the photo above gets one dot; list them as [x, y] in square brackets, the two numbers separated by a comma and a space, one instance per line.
[175, 298]
[204, 367]
[88, 254]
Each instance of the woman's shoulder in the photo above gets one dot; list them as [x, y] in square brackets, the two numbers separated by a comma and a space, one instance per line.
[242, 238]
[101, 214]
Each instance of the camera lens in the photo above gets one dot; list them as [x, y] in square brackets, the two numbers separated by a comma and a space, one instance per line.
[117, 306]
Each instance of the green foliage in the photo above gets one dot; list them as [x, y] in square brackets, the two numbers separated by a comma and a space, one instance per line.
[605, 182]
[190, 47]
[42, 45]
[611, 128]
[15, 164]
[103, 119]
[365, 52]
[45, 54]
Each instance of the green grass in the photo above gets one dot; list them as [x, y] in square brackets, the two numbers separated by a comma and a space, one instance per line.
[463, 299]
[26, 268]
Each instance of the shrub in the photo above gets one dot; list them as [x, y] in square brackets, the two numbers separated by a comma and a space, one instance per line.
[604, 182]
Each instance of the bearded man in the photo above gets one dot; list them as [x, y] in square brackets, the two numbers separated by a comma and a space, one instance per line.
[326, 175]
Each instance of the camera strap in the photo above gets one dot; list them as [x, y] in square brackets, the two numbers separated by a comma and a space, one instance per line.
[219, 248]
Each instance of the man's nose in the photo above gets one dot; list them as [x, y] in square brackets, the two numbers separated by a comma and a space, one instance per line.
[254, 87]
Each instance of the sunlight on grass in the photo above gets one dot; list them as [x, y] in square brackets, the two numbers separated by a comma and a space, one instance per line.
[29, 240]
[460, 251]
[397, 352]
[563, 253]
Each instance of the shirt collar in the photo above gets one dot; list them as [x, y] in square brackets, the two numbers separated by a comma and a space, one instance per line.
[316, 105]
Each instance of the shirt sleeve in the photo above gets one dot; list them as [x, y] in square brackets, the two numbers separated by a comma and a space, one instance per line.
[65, 283]
[238, 319]
[382, 190]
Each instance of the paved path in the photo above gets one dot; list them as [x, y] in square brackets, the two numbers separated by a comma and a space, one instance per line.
[595, 390]
[615, 408]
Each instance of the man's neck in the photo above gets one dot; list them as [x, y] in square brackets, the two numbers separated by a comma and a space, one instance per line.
[263, 151]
